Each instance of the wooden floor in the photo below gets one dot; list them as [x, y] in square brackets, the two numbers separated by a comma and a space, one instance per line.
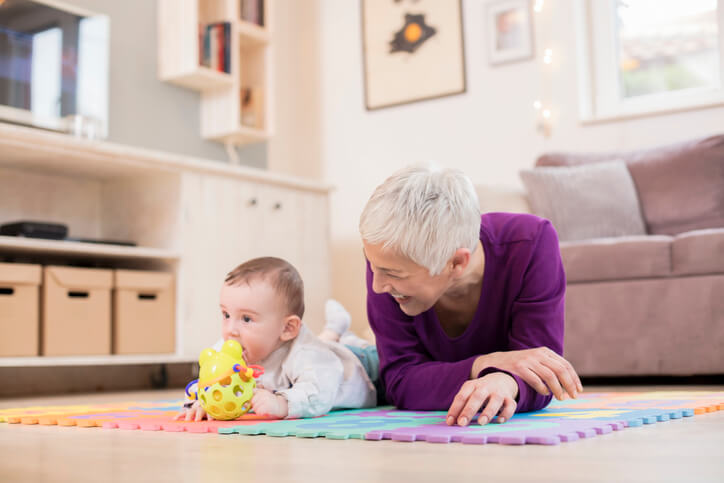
[690, 449]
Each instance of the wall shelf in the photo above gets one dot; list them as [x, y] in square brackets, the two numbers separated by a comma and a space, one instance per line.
[252, 33]
[13, 244]
[243, 135]
[48, 361]
[235, 106]
[202, 79]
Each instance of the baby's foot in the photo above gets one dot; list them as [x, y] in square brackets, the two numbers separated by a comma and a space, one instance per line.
[337, 317]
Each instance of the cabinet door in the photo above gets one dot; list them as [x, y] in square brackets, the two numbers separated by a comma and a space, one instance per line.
[228, 221]
[220, 230]
[315, 261]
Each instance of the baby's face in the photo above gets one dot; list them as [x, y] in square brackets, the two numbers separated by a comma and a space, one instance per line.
[253, 315]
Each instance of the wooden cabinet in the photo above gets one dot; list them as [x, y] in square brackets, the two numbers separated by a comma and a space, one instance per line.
[235, 98]
[196, 219]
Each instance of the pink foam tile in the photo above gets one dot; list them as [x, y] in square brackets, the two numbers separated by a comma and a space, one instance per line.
[171, 425]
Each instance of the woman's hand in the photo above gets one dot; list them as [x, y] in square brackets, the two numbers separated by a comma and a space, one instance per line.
[496, 392]
[194, 413]
[541, 368]
[267, 403]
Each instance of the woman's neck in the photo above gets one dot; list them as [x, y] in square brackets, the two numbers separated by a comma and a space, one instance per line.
[457, 306]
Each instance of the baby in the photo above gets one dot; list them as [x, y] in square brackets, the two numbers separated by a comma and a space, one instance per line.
[262, 304]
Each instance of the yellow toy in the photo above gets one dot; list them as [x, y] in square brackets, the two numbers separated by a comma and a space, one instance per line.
[225, 384]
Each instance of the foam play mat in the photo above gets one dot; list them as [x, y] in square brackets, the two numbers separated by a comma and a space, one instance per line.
[562, 421]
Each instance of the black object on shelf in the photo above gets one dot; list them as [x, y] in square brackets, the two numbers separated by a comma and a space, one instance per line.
[35, 229]
[104, 242]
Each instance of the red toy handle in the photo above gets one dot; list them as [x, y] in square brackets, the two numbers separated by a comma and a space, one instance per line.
[258, 370]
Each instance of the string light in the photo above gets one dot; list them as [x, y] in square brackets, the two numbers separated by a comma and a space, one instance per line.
[544, 114]
[547, 56]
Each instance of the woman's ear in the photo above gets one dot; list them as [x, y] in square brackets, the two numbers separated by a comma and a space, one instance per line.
[460, 260]
[292, 325]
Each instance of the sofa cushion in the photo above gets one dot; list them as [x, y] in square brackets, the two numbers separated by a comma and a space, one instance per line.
[698, 252]
[680, 186]
[617, 258]
[585, 202]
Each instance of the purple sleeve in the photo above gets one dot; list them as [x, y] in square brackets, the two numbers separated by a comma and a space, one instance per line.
[538, 311]
[411, 379]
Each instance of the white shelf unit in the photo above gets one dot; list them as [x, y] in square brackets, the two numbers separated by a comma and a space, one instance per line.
[195, 218]
[179, 42]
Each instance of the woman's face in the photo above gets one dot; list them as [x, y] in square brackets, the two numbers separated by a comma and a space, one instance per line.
[410, 284]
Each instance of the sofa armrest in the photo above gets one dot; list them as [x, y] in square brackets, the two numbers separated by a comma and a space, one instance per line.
[497, 198]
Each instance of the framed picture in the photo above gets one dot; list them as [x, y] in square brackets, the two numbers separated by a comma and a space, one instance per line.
[510, 31]
[413, 51]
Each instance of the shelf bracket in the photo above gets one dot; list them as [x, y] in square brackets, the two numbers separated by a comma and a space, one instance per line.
[232, 153]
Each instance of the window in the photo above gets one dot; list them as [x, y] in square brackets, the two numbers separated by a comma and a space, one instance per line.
[641, 57]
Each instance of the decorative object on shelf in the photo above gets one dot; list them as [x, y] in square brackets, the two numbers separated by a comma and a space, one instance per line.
[54, 67]
[510, 31]
[35, 229]
[252, 107]
[413, 51]
[253, 11]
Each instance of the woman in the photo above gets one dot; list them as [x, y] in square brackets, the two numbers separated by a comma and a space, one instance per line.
[467, 309]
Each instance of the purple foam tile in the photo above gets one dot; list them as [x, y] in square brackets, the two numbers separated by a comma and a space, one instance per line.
[511, 440]
[374, 435]
[400, 436]
[603, 429]
[438, 439]
[588, 433]
[474, 439]
[546, 440]
[569, 437]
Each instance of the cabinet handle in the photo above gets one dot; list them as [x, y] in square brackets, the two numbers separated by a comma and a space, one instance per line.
[252, 202]
[277, 205]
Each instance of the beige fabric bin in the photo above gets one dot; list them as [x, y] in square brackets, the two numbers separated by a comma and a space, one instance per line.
[19, 309]
[76, 311]
[143, 312]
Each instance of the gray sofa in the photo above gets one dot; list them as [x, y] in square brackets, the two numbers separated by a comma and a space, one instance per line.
[649, 303]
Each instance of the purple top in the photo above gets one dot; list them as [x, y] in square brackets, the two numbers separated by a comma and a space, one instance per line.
[521, 307]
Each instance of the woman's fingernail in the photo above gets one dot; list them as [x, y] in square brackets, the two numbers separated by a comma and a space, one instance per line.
[501, 420]
[463, 421]
[483, 420]
[450, 420]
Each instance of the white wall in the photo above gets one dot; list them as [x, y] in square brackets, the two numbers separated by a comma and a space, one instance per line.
[489, 132]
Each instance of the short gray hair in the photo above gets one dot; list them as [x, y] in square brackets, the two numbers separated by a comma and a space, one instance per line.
[425, 213]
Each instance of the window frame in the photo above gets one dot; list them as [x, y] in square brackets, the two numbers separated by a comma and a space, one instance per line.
[598, 72]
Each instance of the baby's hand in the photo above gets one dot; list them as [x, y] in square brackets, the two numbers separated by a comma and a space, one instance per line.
[269, 404]
[194, 413]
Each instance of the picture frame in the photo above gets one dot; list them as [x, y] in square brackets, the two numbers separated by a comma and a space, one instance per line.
[413, 50]
[509, 27]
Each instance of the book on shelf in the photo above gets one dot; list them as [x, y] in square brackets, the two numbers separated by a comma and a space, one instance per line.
[252, 11]
[215, 46]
